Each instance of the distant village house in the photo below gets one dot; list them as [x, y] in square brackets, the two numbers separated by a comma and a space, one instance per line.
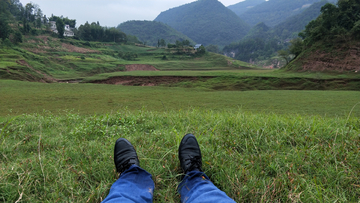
[197, 46]
[67, 32]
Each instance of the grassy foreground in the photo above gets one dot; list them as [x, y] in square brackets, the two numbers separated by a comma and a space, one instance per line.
[25, 97]
[252, 157]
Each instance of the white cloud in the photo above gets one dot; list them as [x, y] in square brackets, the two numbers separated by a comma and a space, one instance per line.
[110, 12]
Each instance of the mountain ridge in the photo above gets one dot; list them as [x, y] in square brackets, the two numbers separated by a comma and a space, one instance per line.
[206, 22]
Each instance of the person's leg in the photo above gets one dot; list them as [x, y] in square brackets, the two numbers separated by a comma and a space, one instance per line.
[134, 185]
[196, 186]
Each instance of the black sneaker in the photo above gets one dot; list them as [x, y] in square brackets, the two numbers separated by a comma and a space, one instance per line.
[190, 154]
[124, 155]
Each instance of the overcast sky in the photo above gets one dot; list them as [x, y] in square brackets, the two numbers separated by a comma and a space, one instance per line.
[110, 12]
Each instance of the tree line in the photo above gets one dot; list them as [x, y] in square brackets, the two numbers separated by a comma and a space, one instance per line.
[95, 32]
[17, 20]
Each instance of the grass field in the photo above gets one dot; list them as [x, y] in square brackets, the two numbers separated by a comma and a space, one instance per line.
[263, 145]
[26, 97]
[253, 157]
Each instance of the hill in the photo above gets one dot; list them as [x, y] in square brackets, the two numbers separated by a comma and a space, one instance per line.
[274, 12]
[152, 31]
[206, 22]
[290, 28]
[48, 59]
[332, 41]
[263, 42]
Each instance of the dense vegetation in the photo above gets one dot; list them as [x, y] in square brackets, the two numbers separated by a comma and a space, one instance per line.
[263, 42]
[17, 20]
[335, 22]
[206, 22]
[150, 32]
[275, 11]
[290, 28]
[95, 32]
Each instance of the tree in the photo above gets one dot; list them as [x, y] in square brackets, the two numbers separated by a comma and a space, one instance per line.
[296, 46]
[29, 8]
[186, 42]
[355, 31]
[201, 50]
[162, 43]
[5, 29]
[60, 26]
[285, 55]
[213, 48]
[18, 37]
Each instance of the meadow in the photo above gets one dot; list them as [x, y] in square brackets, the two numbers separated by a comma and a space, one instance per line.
[270, 144]
[253, 157]
[258, 146]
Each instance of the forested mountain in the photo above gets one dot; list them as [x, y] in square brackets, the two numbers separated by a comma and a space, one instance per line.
[260, 31]
[206, 22]
[274, 12]
[332, 41]
[243, 6]
[263, 42]
[291, 27]
[150, 32]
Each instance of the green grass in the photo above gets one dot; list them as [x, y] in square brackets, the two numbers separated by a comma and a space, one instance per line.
[258, 146]
[26, 97]
[253, 157]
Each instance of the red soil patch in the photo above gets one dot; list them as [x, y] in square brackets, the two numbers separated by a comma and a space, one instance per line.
[346, 58]
[136, 67]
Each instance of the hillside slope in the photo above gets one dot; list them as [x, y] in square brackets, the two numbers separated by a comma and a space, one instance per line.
[206, 22]
[243, 6]
[262, 41]
[275, 11]
[47, 59]
[332, 41]
[151, 31]
[338, 57]
[291, 27]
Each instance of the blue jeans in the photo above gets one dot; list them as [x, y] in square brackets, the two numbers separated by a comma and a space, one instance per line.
[135, 185]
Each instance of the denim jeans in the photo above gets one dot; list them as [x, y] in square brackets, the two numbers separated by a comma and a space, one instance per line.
[135, 185]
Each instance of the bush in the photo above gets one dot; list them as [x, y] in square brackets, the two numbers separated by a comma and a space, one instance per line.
[355, 31]
[34, 32]
[18, 37]
[7, 43]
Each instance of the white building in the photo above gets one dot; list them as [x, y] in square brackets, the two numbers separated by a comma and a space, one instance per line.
[67, 32]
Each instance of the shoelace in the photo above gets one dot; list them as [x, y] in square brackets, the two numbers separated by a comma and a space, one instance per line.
[127, 165]
[194, 162]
